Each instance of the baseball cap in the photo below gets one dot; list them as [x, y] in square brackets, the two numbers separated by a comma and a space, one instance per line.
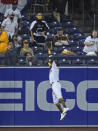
[25, 41]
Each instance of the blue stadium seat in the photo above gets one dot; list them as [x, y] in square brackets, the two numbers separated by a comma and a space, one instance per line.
[76, 48]
[60, 49]
[68, 24]
[78, 61]
[78, 35]
[1, 60]
[92, 61]
[64, 62]
[55, 24]
[70, 30]
[21, 61]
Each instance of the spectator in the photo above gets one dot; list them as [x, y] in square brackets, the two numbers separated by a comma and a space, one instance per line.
[26, 49]
[11, 55]
[60, 39]
[91, 43]
[3, 41]
[23, 28]
[59, 8]
[10, 25]
[39, 29]
[17, 41]
[13, 10]
[30, 60]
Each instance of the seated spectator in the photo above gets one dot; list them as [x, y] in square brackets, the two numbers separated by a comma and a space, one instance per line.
[15, 11]
[11, 55]
[39, 29]
[23, 29]
[26, 49]
[3, 41]
[60, 39]
[91, 43]
[10, 25]
[30, 60]
[17, 41]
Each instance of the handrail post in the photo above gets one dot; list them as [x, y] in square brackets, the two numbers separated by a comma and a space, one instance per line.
[83, 11]
[94, 20]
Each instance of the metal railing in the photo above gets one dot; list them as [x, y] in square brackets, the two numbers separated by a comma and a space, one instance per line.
[85, 13]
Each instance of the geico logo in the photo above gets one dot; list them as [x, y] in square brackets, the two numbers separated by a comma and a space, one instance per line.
[43, 87]
[80, 91]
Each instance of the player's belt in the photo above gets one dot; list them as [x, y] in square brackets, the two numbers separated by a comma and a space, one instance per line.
[54, 82]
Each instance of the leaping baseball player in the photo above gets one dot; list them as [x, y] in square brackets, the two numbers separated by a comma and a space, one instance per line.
[56, 88]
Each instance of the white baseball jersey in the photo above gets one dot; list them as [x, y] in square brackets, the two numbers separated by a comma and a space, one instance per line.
[54, 81]
[54, 73]
[91, 48]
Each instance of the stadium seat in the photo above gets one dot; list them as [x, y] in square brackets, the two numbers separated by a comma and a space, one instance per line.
[92, 61]
[55, 24]
[75, 48]
[60, 49]
[72, 42]
[64, 62]
[70, 30]
[78, 35]
[78, 61]
[1, 60]
[21, 61]
[68, 24]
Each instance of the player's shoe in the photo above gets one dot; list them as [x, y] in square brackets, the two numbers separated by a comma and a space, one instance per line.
[65, 110]
[62, 115]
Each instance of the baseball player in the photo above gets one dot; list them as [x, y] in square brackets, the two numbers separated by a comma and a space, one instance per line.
[56, 88]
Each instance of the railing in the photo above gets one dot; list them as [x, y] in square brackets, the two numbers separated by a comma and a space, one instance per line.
[85, 14]
[61, 59]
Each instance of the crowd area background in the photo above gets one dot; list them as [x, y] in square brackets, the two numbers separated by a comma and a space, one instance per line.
[43, 29]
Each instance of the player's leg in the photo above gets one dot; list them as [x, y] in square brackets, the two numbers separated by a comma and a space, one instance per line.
[59, 107]
[65, 109]
[56, 102]
[63, 102]
[58, 93]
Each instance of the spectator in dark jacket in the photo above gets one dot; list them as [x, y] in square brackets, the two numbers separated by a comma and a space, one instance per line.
[10, 55]
[38, 30]
[30, 60]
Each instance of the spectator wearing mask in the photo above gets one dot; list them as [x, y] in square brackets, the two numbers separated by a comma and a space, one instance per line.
[11, 55]
[10, 25]
[39, 29]
[3, 41]
[26, 49]
[13, 10]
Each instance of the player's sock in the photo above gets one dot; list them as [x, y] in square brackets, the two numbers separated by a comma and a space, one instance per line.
[59, 107]
[63, 103]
